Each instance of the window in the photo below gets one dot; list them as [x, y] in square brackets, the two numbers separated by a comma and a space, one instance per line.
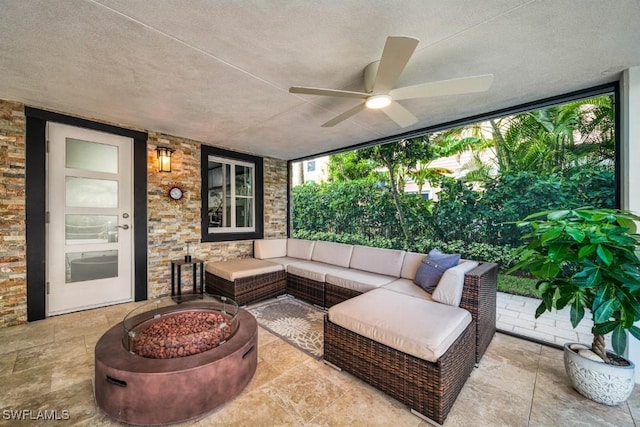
[231, 195]
[311, 166]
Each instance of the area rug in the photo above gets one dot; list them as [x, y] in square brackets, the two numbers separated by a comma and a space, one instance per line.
[296, 322]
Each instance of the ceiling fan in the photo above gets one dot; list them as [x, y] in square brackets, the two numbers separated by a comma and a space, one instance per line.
[380, 78]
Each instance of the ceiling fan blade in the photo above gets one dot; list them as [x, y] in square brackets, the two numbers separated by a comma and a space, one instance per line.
[444, 87]
[395, 55]
[400, 115]
[344, 116]
[327, 92]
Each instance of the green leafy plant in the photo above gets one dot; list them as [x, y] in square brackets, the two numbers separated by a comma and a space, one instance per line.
[586, 258]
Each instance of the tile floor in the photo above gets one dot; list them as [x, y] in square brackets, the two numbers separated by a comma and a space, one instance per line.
[48, 365]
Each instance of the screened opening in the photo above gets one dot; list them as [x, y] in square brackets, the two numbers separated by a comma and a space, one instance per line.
[460, 188]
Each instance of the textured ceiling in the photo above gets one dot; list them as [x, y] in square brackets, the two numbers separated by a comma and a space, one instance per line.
[219, 71]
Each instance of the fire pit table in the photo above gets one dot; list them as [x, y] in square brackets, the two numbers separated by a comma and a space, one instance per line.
[168, 362]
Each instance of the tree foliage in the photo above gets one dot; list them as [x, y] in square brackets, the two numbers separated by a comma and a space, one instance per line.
[394, 156]
[561, 157]
[349, 166]
[488, 215]
[549, 140]
[351, 207]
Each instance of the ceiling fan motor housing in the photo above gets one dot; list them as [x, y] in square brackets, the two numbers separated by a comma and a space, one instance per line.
[370, 73]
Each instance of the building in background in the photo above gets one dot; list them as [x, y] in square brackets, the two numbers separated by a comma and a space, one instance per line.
[309, 170]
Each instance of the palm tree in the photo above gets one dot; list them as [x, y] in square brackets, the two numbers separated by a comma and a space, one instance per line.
[595, 131]
[424, 173]
[548, 140]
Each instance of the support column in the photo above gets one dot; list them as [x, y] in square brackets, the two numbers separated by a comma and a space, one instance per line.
[630, 158]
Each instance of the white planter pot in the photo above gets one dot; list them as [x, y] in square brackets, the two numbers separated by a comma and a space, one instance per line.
[607, 384]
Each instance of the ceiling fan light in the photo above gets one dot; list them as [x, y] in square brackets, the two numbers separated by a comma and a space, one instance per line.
[378, 101]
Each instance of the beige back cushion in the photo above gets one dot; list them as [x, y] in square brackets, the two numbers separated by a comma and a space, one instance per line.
[269, 248]
[451, 284]
[377, 260]
[300, 248]
[410, 265]
[332, 253]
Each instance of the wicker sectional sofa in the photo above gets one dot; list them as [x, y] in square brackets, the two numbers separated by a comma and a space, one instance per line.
[417, 347]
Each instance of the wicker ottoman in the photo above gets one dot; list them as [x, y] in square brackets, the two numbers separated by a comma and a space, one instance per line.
[245, 280]
[421, 354]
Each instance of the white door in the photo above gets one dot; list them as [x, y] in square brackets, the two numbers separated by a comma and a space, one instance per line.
[89, 232]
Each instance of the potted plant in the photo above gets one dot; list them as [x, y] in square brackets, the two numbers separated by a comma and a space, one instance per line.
[586, 259]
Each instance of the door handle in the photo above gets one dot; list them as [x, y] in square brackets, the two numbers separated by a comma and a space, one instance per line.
[124, 227]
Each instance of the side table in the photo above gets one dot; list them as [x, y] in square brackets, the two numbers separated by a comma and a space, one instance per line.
[176, 264]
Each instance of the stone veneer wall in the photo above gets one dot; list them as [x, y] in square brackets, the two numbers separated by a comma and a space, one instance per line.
[275, 198]
[170, 224]
[13, 266]
[174, 224]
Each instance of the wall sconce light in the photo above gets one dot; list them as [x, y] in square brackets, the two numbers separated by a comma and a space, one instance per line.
[164, 158]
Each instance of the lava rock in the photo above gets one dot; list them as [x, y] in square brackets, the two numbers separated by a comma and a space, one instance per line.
[182, 334]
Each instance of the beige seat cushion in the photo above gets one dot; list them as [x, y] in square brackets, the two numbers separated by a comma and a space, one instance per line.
[332, 253]
[285, 261]
[316, 271]
[238, 268]
[377, 260]
[358, 280]
[407, 287]
[269, 248]
[425, 329]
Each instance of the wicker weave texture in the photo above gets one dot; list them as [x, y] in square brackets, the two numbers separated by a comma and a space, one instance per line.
[306, 289]
[336, 294]
[479, 298]
[427, 387]
[248, 290]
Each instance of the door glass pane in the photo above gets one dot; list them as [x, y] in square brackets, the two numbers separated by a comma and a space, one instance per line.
[83, 266]
[83, 229]
[91, 193]
[244, 212]
[91, 156]
[243, 180]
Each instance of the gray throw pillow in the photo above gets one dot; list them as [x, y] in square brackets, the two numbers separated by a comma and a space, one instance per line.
[433, 267]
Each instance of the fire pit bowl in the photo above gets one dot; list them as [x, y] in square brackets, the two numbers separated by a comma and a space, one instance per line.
[169, 361]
